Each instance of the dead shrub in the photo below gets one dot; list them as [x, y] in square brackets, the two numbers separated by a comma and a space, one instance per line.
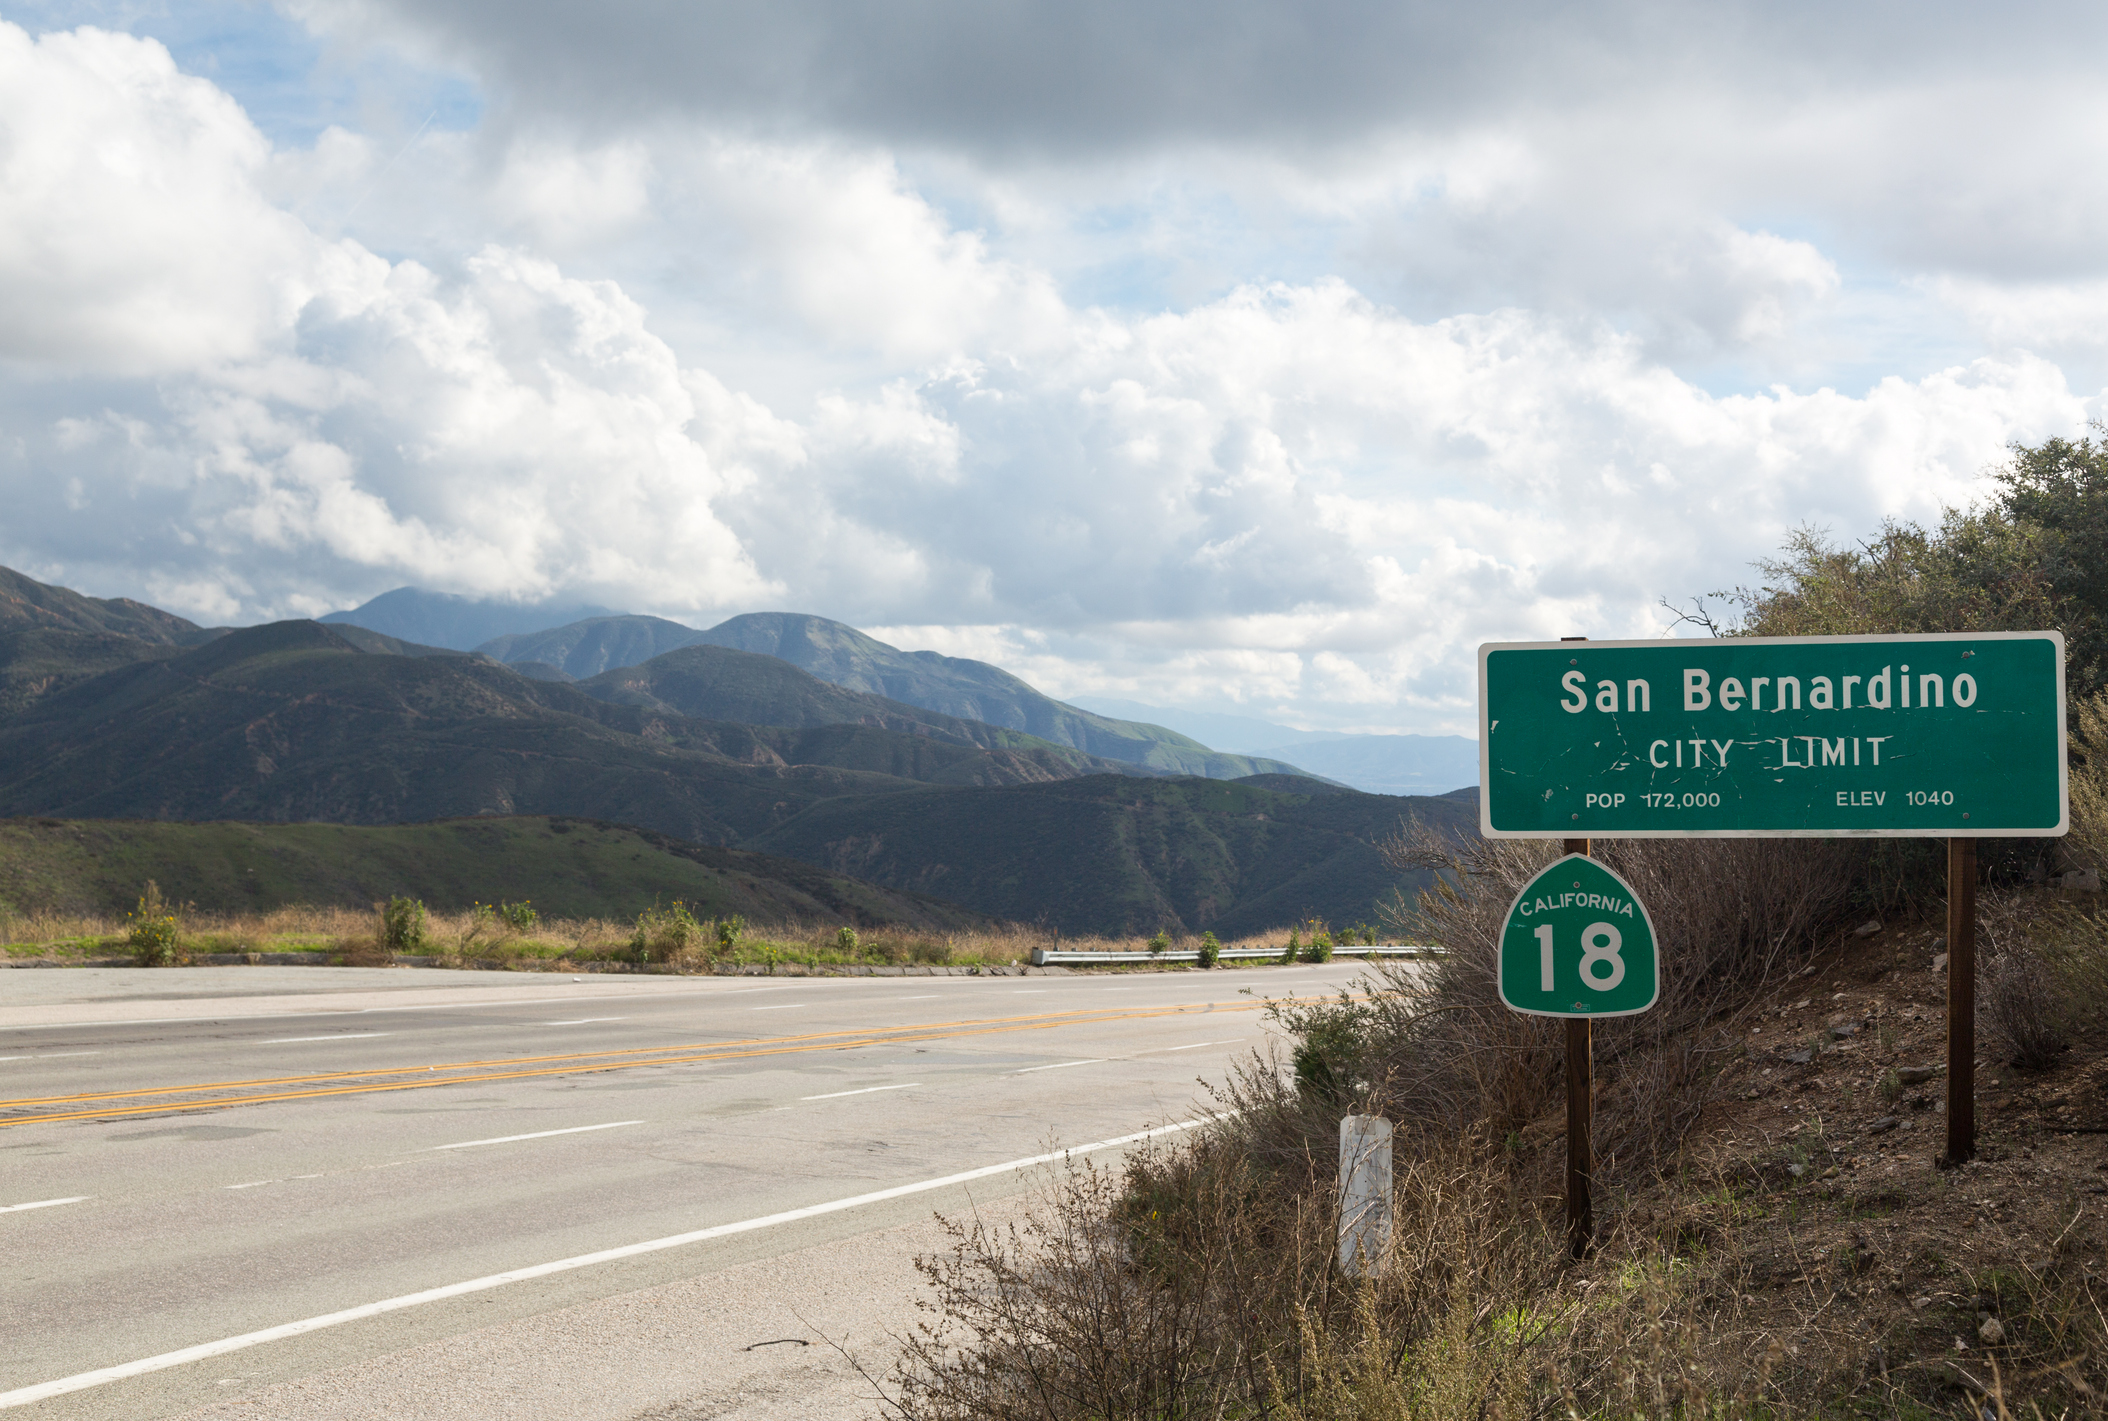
[2023, 1008]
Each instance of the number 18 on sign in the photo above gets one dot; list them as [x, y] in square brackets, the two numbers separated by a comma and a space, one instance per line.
[1578, 942]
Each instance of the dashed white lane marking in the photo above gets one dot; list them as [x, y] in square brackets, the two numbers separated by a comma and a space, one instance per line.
[1192, 1046]
[1095, 1061]
[259, 1183]
[786, 1006]
[924, 997]
[585, 1019]
[43, 1204]
[22, 1396]
[838, 1094]
[335, 1036]
[537, 1135]
[49, 1055]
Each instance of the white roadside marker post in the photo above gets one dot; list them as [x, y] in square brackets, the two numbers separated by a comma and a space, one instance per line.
[1364, 1194]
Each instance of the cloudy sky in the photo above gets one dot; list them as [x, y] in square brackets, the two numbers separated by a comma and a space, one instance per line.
[1230, 354]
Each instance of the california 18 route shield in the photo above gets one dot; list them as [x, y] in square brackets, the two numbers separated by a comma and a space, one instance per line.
[1578, 942]
[1936, 736]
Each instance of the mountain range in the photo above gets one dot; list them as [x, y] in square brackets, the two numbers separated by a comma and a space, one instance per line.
[844, 656]
[120, 711]
[1221, 745]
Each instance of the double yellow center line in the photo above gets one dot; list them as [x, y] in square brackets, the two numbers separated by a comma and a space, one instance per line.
[221, 1094]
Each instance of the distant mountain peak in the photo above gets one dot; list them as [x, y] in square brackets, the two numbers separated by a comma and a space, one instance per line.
[841, 655]
[443, 619]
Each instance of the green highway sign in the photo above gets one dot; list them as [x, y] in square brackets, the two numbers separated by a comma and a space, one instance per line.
[1578, 942]
[1950, 736]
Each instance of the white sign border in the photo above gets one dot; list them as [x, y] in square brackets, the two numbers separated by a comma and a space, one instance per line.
[2056, 639]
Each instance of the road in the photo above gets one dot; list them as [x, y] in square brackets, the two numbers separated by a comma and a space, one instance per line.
[195, 1156]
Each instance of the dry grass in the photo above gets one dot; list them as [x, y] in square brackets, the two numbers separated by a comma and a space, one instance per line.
[1198, 1283]
[486, 939]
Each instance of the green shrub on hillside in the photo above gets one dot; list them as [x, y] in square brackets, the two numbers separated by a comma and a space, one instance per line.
[730, 931]
[1210, 950]
[520, 916]
[1295, 947]
[845, 942]
[152, 935]
[666, 934]
[2031, 557]
[403, 926]
[1161, 942]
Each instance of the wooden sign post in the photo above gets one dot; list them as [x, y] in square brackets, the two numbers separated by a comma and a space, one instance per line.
[1580, 1119]
[1578, 943]
[1961, 1000]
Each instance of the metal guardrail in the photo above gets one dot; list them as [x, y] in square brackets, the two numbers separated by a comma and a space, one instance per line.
[1043, 958]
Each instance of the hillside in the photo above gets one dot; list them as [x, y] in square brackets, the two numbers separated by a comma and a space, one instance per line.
[36, 661]
[26, 603]
[571, 868]
[53, 637]
[845, 657]
[588, 648]
[1104, 854]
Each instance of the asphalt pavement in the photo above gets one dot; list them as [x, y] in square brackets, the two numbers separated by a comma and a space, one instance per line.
[444, 1167]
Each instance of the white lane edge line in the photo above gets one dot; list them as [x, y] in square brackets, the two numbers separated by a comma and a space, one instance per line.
[43, 1204]
[333, 1036]
[787, 1006]
[81, 1381]
[84, 1380]
[1094, 1061]
[925, 997]
[838, 1094]
[49, 1055]
[537, 1135]
[1194, 1046]
[584, 1020]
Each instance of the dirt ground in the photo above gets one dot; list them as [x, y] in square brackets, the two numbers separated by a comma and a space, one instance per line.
[1825, 1241]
